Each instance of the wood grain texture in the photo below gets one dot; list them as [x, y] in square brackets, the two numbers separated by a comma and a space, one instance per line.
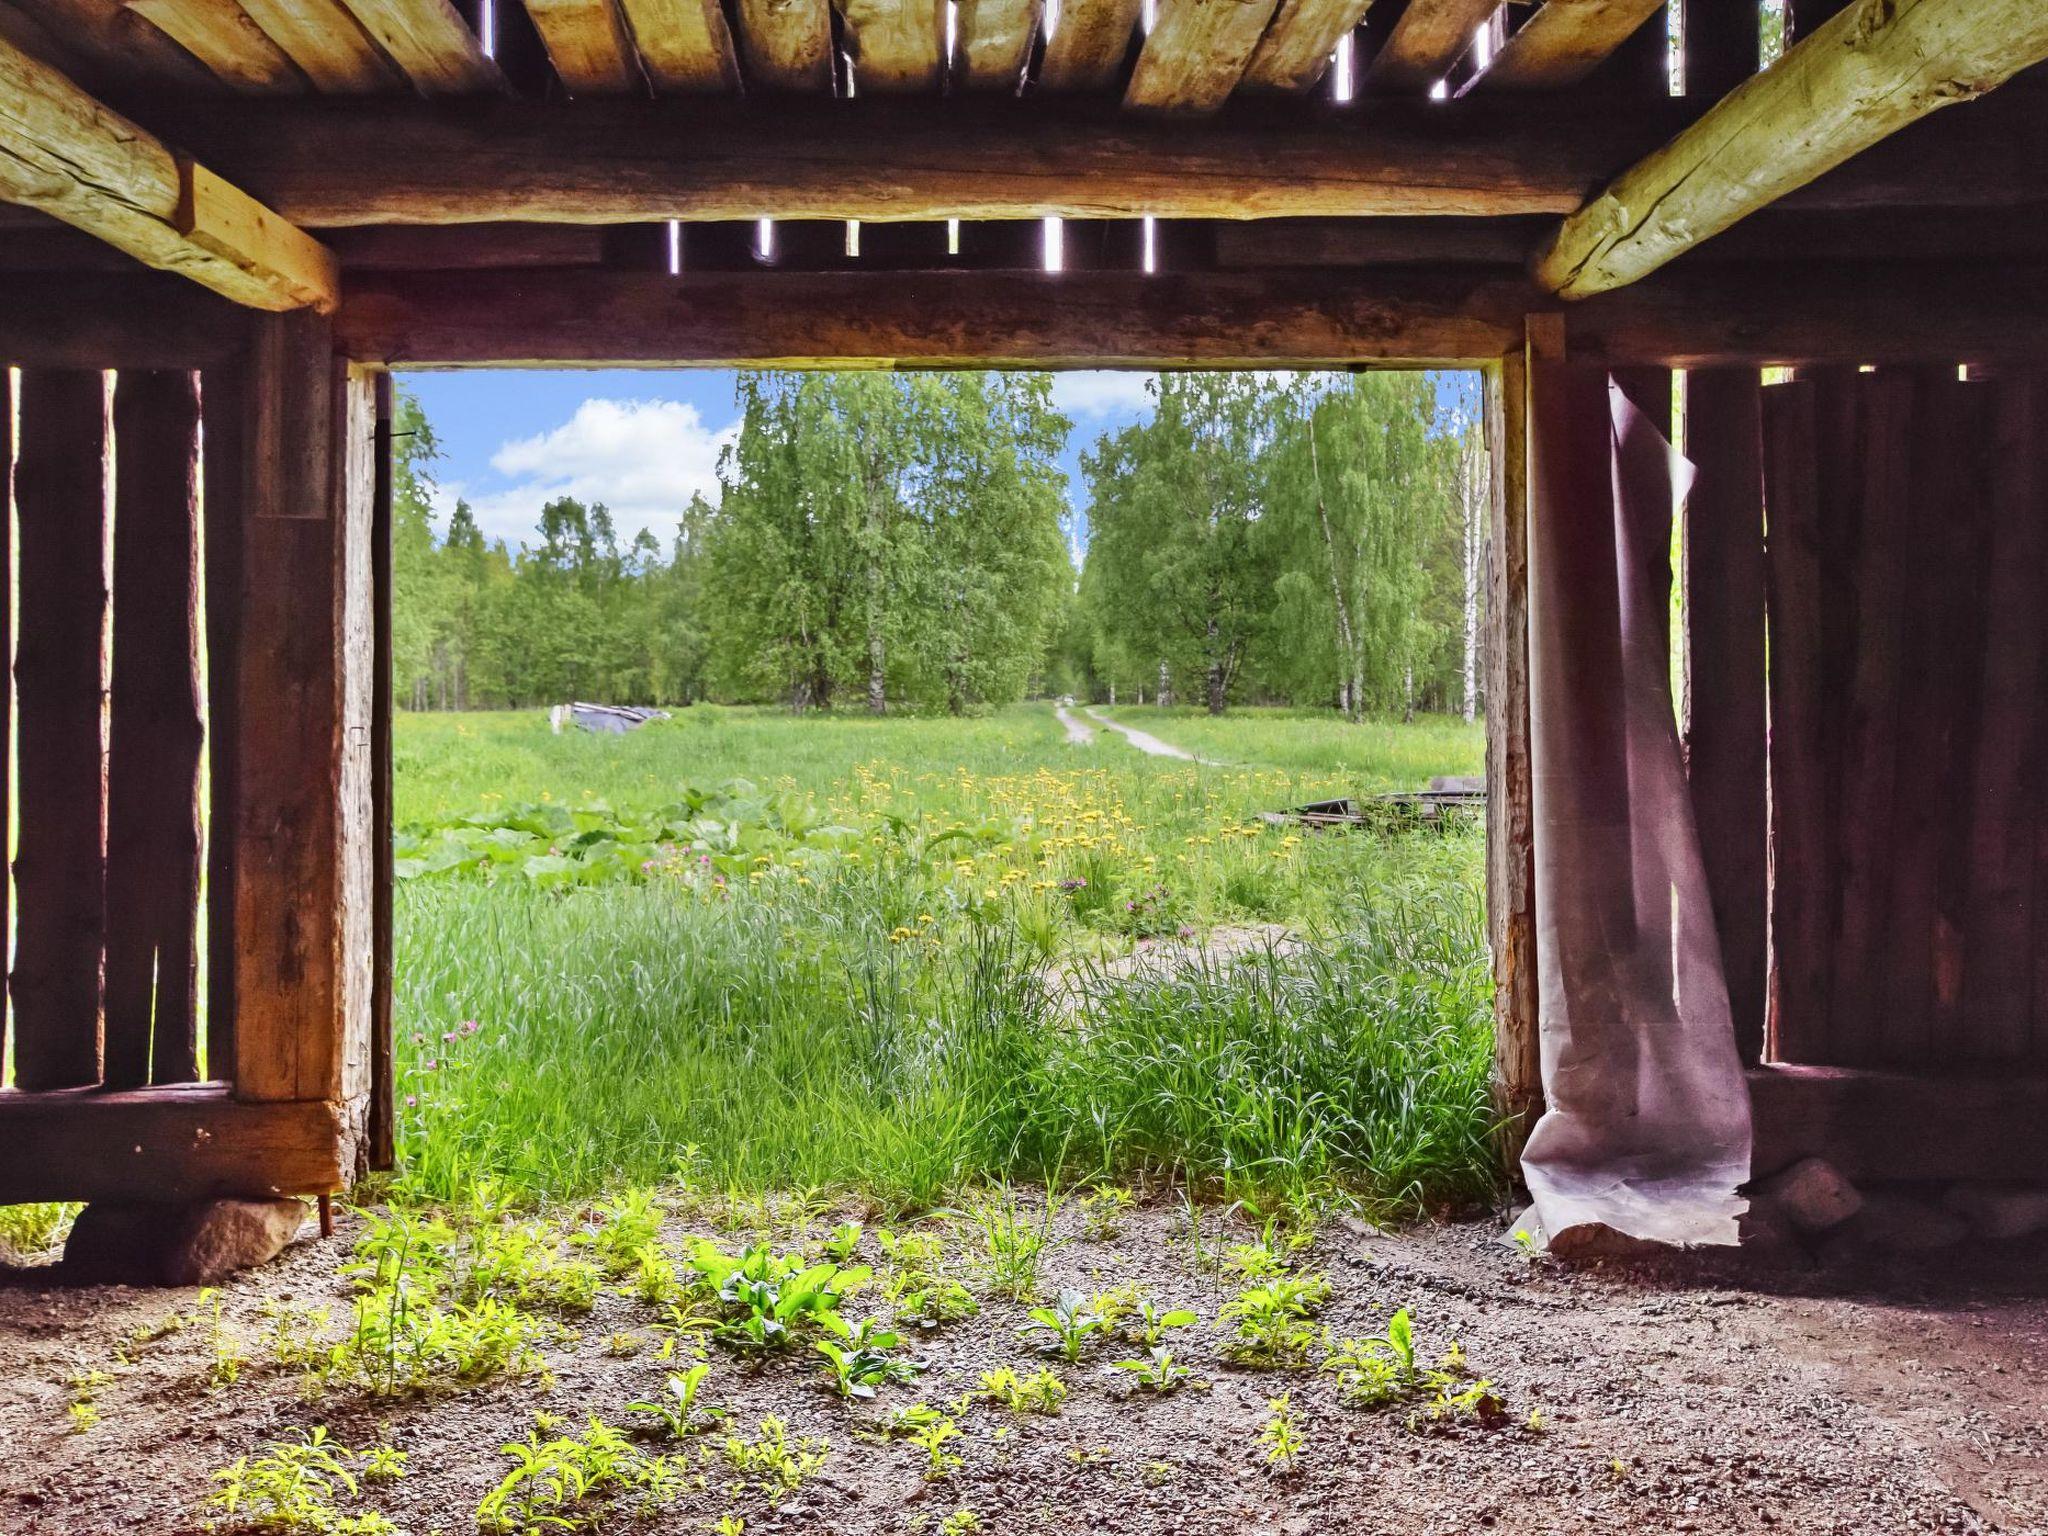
[168, 1144]
[8, 402]
[995, 43]
[685, 45]
[1564, 42]
[624, 162]
[897, 46]
[62, 489]
[1196, 54]
[1875, 68]
[1295, 52]
[432, 44]
[1087, 49]
[588, 46]
[1430, 37]
[63, 153]
[155, 735]
[103, 44]
[302, 758]
[221, 36]
[1876, 1125]
[2004, 814]
[1725, 709]
[226, 412]
[330, 48]
[830, 319]
[383, 1118]
[1801, 871]
[1510, 806]
[787, 44]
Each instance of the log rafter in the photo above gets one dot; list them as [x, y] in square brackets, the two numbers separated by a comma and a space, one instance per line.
[1875, 67]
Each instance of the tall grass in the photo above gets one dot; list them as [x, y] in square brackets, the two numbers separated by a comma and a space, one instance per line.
[636, 1032]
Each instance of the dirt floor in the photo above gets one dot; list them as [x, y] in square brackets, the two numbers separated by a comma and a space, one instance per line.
[1904, 1396]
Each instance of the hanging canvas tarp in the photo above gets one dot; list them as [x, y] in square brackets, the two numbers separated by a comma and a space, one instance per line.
[1646, 1126]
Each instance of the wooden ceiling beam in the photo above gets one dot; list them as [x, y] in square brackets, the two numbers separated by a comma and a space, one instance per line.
[221, 36]
[1430, 37]
[67, 155]
[1196, 54]
[327, 43]
[995, 43]
[587, 43]
[685, 45]
[626, 162]
[1295, 52]
[897, 45]
[1563, 42]
[787, 44]
[1871, 70]
[1086, 50]
[429, 40]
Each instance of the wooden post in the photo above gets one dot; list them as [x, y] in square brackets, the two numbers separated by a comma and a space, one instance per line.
[1725, 712]
[303, 861]
[61, 486]
[383, 1127]
[7, 452]
[155, 735]
[224, 408]
[1510, 824]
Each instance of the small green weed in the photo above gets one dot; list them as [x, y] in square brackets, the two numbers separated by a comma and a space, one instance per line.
[1041, 1392]
[1070, 1321]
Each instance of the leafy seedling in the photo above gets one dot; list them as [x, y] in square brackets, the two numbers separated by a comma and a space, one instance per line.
[1158, 1371]
[1070, 1321]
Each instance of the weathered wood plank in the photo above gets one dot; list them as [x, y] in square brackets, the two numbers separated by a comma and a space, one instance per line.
[221, 36]
[383, 1119]
[1430, 37]
[995, 43]
[685, 45]
[828, 319]
[1725, 708]
[897, 45]
[1196, 53]
[588, 45]
[1997, 979]
[1800, 884]
[613, 162]
[1086, 50]
[1878, 66]
[787, 45]
[226, 412]
[1510, 823]
[65, 154]
[301, 881]
[167, 1144]
[155, 736]
[8, 447]
[62, 488]
[466, 247]
[1565, 41]
[1295, 52]
[103, 44]
[84, 319]
[1879, 467]
[323, 38]
[432, 44]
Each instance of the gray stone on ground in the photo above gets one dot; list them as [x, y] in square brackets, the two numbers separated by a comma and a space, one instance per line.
[1812, 1194]
[2000, 1213]
[199, 1243]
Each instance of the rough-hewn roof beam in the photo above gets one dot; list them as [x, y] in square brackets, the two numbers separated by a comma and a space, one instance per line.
[62, 152]
[1875, 67]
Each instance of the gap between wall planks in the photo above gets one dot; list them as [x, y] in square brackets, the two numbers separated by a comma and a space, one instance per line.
[383, 1130]
[60, 483]
[1725, 707]
[155, 736]
[225, 409]
[7, 452]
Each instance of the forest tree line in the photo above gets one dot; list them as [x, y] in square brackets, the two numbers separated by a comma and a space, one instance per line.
[901, 542]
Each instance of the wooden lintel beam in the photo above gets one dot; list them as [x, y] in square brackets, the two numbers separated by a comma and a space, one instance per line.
[64, 153]
[1874, 68]
[1876, 313]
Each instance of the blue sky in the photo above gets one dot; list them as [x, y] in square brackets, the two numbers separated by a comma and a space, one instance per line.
[640, 442]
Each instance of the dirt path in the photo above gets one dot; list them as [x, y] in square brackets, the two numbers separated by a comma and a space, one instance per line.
[1144, 741]
[1078, 734]
[1905, 1398]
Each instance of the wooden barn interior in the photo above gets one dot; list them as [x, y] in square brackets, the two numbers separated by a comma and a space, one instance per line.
[223, 221]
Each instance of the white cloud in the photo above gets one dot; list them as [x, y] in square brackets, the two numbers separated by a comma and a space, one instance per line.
[641, 458]
[1101, 394]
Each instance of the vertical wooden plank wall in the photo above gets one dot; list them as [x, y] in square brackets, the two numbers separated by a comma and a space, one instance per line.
[223, 392]
[1725, 709]
[155, 735]
[61, 483]
[383, 1136]
[7, 447]
[304, 874]
[1909, 564]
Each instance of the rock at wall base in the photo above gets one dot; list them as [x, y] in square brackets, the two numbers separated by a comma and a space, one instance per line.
[2000, 1213]
[1890, 1221]
[200, 1243]
[1812, 1195]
